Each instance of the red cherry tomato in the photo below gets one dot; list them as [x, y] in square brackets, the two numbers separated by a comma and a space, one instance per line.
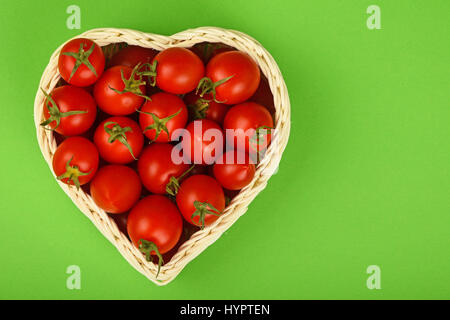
[205, 107]
[154, 225]
[75, 161]
[161, 115]
[69, 110]
[244, 73]
[130, 56]
[178, 70]
[117, 96]
[201, 200]
[115, 188]
[81, 62]
[235, 170]
[119, 140]
[155, 167]
[202, 142]
[243, 125]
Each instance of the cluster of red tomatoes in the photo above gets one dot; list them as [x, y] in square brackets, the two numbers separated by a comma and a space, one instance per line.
[115, 121]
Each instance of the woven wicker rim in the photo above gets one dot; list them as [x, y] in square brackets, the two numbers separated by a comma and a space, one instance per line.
[201, 239]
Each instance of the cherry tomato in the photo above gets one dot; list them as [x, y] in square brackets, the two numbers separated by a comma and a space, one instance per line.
[130, 56]
[205, 107]
[241, 71]
[161, 115]
[119, 140]
[155, 167]
[115, 188]
[75, 161]
[235, 170]
[248, 127]
[178, 70]
[69, 110]
[154, 226]
[201, 200]
[188, 231]
[117, 96]
[81, 62]
[202, 142]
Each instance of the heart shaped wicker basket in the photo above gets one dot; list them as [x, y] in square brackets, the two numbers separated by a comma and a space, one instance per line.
[201, 239]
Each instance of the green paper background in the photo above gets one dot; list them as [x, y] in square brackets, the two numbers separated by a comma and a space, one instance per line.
[364, 179]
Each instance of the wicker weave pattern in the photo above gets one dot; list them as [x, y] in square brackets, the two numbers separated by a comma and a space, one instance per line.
[200, 240]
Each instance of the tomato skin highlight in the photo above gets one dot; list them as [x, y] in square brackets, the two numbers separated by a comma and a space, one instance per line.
[198, 149]
[246, 116]
[84, 155]
[245, 72]
[116, 152]
[115, 188]
[215, 111]
[130, 56]
[114, 103]
[155, 218]
[155, 167]
[236, 175]
[178, 70]
[70, 98]
[201, 188]
[163, 105]
[83, 76]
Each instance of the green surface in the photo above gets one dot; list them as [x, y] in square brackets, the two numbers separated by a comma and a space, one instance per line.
[364, 179]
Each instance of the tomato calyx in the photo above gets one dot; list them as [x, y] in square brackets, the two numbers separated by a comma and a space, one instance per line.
[81, 57]
[72, 173]
[150, 72]
[147, 247]
[199, 108]
[209, 48]
[259, 139]
[207, 51]
[201, 210]
[206, 85]
[173, 186]
[118, 133]
[227, 201]
[159, 124]
[55, 114]
[132, 85]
